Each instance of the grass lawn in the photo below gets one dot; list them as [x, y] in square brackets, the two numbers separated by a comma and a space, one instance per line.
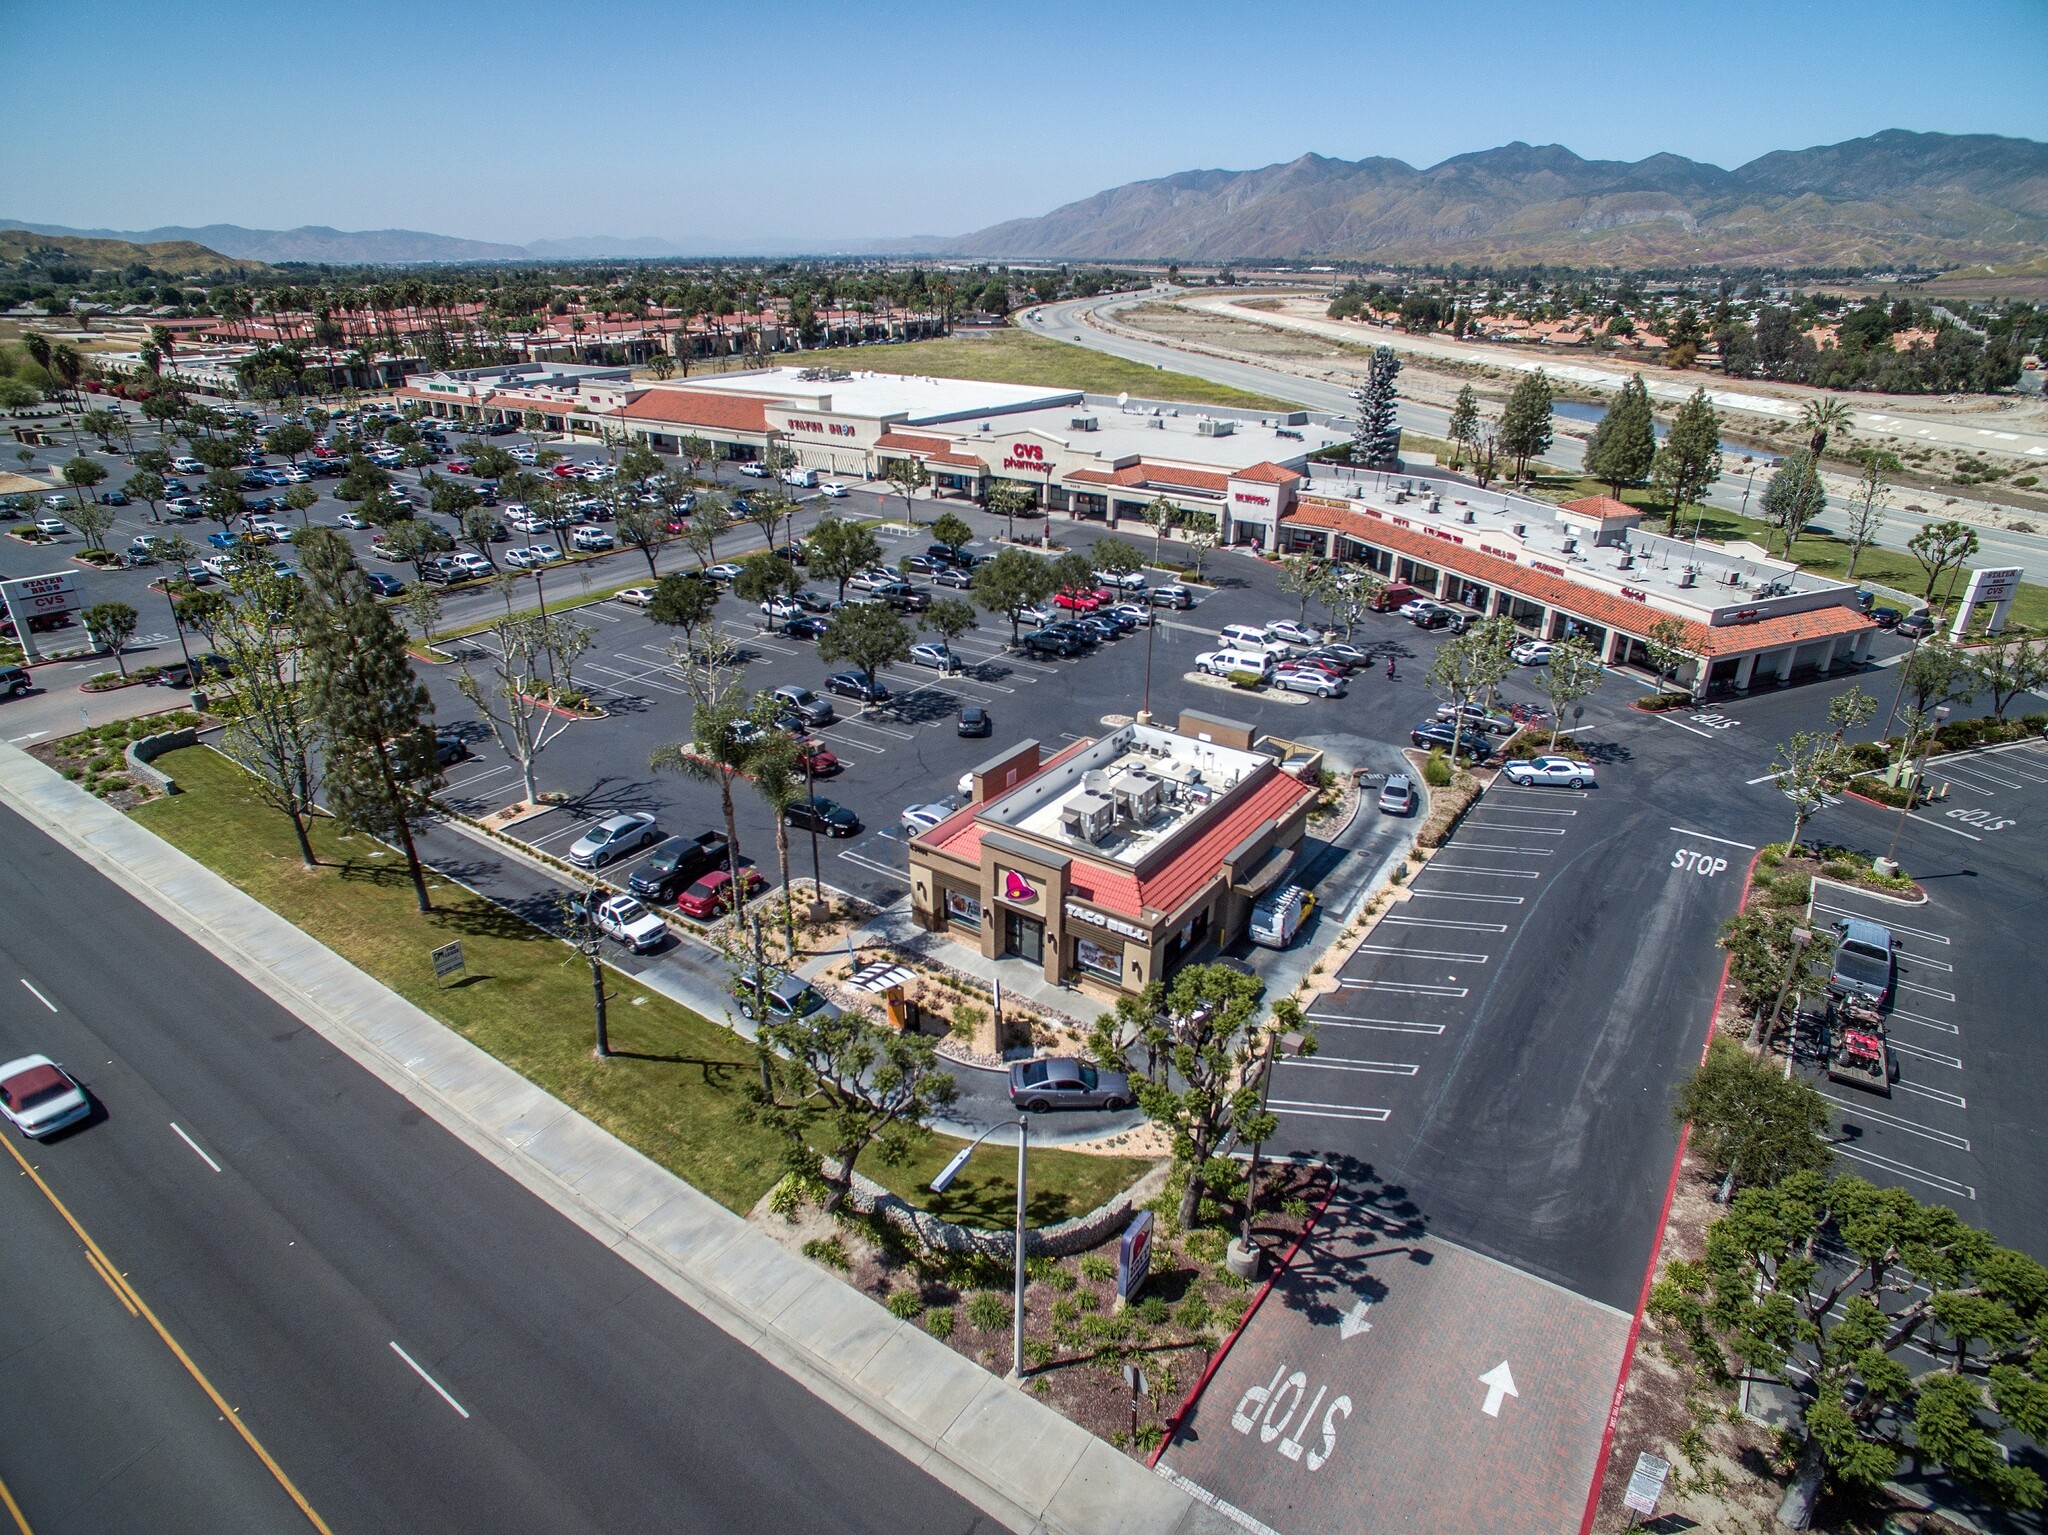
[1016, 357]
[1821, 553]
[674, 1089]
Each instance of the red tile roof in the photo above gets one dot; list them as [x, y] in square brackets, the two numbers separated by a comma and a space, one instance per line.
[1162, 474]
[1604, 507]
[1609, 609]
[1267, 474]
[935, 450]
[696, 407]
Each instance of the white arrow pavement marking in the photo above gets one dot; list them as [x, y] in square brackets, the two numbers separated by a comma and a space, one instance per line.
[1354, 1321]
[1499, 1382]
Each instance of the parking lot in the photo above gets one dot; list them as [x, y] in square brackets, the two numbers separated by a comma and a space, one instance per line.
[1961, 1126]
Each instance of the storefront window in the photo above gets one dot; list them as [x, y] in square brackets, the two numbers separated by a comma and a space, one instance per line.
[963, 909]
[1097, 960]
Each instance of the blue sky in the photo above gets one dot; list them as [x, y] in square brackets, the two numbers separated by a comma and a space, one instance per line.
[773, 124]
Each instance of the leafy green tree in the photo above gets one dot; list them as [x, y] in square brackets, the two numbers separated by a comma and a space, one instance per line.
[1160, 516]
[529, 652]
[1941, 547]
[907, 477]
[950, 529]
[1114, 556]
[1624, 444]
[289, 439]
[490, 462]
[870, 635]
[1525, 424]
[1005, 499]
[301, 499]
[1809, 766]
[147, 486]
[1866, 508]
[274, 733]
[718, 751]
[111, 626]
[1937, 673]
[373, 713]
[1794, 497]
[1752, 1124]
[1899, 1328]
[363, 481]
[1669, 647]
[646, 528]
[1690, 459]
[416, 541]
[764, 575]
[1195, 1064]
[711, 522]
[81, 474]
[2008, 670]
[851, 1083]
[949, 618]
[90, 520]
[1573, 672]
[685, 603]
[1376, 435]
[1463, 429]
[1009, 583]
[1302, 576]
[841, 550]
[1073, 574]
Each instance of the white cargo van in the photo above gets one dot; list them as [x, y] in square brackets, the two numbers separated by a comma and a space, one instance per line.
[1252, 637]
[1221, 663]
[801, 479]
[1277, 918]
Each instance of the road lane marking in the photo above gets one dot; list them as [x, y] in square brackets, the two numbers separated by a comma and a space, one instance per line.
[1925, 821]
[209, 1161]
[134, 1299]
[1904, 1170]
[109, 1279]
[1710, 837]
[1925, 1022]
[20, 1519]
[1924, 961]
[1531, 810]
[423, 1375]
[1917, 932]
[1519, 830]
[1705, 735]
[1311, 1109]
[1910, 1126]
[1954, 1099]
[879, 868]
[1495, 847]
[1403, 953]
[1753, 782]
[38, 995]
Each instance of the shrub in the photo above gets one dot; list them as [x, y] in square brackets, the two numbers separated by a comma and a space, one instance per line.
[1037, 1352]
[967, 1018]
[939, 1322]
[988, 1311]
[1097, 1267]
[905, 1304]
[1245, 680]
[829, 1251]
[1060, 1278]
[1087, 1300]
[1152, 1310]
[1194, 1313]
[1436, 770]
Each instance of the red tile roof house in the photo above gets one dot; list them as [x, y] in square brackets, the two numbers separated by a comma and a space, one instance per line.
[1116, 860]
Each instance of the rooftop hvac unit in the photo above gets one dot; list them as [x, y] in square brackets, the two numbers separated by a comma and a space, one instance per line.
[1470, 515]
[1209, 428]
[1571, 546]
[1628, 561]
[1687, 576]
[1436, 503]
[1156, 421]
[1400, 498]
[1085, 424]
[1087, 816]
[1521, 530]
[1731, 578]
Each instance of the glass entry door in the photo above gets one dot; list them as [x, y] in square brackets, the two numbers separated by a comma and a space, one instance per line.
[1024, 937]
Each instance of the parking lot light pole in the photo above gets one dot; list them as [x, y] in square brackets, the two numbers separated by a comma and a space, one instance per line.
[1145, 705]
[1915, 756]
[591, 948]
[944, 1181]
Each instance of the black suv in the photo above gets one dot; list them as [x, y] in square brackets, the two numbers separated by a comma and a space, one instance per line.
[854, 685]
[820, 814]
[677, 864]
[1046, 642]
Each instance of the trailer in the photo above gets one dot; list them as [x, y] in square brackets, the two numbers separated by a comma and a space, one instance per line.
[1858, 1053]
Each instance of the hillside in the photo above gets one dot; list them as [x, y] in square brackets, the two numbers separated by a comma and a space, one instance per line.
[313, 243]
[172, 258]
[1893, 198]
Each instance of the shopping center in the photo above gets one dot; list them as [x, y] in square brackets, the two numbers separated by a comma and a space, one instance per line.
[1118, 859]
[1587, 569]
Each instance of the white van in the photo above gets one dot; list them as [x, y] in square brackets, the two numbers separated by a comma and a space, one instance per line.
[801, 479]
[1252, 637]
[1277, 918]
[1221, 663]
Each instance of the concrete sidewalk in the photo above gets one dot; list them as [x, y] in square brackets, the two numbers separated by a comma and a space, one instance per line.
[1026, 1466]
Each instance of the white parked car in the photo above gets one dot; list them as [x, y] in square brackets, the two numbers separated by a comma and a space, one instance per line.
[919, 819]
[39, 1097]
[1130, 581]
[590, 540]
[1293, 633]
[53, 527]
[938, 656]
[722, 572]
[783, 607]
[873, 579]
[1038, 613]
[754, 471]
[626, 921]
[352, 520]
[613, 838]
[1137, 612]
[532, 556]
[1532, 653]
[1567, 772]
[833, 489]
[637, 596]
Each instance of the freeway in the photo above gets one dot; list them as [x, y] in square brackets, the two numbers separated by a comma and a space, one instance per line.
[1069, 322]
[418, 1342]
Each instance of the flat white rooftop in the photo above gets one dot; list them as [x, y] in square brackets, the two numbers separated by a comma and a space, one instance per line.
[1172, 434]
[1124, 794]
[911, 398]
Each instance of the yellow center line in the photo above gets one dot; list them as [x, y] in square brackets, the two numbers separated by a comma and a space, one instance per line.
[20, 1519]
[135, 1303]
[113, 1283]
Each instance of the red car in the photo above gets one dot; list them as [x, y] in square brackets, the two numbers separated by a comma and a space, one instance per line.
[458, 466]
[816, 758]
[713, 893]
[565, 471]
[1082, 602]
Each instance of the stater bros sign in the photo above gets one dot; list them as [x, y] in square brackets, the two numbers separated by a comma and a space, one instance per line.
[38, 597]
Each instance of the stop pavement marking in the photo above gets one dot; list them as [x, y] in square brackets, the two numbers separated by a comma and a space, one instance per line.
[1397, 1382]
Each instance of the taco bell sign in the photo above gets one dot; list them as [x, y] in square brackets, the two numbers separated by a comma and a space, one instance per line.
[1134, 1257]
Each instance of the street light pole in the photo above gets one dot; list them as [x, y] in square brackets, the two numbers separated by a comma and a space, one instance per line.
[1145, 708]
[1912, 777]
[591, 948]
[1017, 1316]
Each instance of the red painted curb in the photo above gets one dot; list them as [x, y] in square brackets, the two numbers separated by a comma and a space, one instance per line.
[1187, 1405]
[1635, 1326]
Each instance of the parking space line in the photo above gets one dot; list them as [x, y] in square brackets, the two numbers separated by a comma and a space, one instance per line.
[1500, 789]
[1916, 932]
[1923, 960]
[1375, 1068]
[1900, 1047]
[1526, 831]
[1928, 991]
[1964, 783]
[1416, 989]
[1981, 767]
[1910, 1126]
[1531, 810]
[1705, 836]
[463, 783]
[1379, 1025]
[1309, 1108]
[1462, 927]
[1473, 868]
[1688, 729]
[1954, 1099]
[1943, 825]
[1398, 951]
[1448, 895]
[1925, 1022]
[879, 868]
[1872, 1159]
[1495, 847]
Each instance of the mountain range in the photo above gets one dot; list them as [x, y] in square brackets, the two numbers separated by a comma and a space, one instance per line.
[1893, 198]
[319, 245]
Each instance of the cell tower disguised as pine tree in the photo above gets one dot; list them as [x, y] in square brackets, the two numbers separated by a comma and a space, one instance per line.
[1376, 440]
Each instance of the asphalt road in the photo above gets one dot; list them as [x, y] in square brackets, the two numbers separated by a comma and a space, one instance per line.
[1064, 322]
[341, 1226]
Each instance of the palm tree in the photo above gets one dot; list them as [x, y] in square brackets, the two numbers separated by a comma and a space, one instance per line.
[712, 755]
[776, 767]
[1821, 418]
